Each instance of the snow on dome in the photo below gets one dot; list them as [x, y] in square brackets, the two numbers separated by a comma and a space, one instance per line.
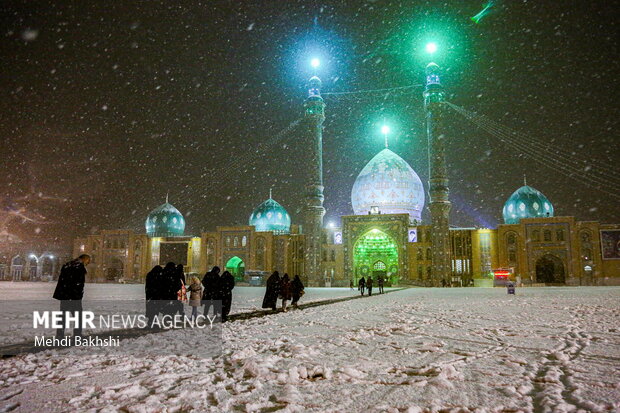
[389, 183]
[270, 216]
[526, 202]
[165, 221]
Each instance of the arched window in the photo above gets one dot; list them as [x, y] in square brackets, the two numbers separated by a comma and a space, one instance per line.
[420, 255]
[547, 235]
[511, 248]
[559, 235]
[260, 253]
[429, 255]
[536, 235]
[333, 255]
[210, 252]
[228, 241]
[236, 242]
[379, 266]
[244, 241]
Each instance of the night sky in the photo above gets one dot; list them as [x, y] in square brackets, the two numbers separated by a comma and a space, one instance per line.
[112, 104]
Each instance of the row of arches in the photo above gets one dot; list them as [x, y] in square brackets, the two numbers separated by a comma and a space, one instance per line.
[29, 268]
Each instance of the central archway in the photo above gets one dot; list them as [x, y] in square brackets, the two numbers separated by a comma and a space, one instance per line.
[376, 254]
[236, 267]
[550, 270]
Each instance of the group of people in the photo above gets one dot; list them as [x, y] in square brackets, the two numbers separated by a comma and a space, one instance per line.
[166, 291]
[367, 284]
[282, 288]
[162, 286]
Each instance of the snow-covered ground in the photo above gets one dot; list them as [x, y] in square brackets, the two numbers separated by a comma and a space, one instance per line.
[461, 350]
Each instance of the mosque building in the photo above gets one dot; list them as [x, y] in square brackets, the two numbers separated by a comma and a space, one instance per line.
[385, 237]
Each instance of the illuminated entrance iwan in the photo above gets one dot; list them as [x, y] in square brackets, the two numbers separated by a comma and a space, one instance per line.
[236, 267]
[376, 254]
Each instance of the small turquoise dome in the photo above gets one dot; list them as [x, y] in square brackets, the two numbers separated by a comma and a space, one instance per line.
[271, 216]
[526, 202]
[165, 221]
[388, 182]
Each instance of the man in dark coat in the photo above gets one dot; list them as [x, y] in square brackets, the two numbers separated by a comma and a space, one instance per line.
[170, 286]
[70, 290]
[227, 283]
[212, 290]
[152, 290]
[272, 292]
[380, 282]
[361, 284]
[369, 286]
[297, 288]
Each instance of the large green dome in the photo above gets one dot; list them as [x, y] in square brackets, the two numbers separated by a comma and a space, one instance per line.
[526, 202]
[165, 221]
[271, 216]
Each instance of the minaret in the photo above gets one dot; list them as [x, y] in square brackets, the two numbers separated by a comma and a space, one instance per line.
[313, 210]
[439, 205]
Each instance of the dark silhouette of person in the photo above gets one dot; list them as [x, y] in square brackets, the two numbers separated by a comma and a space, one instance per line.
[152, 290]
[70, 290]
[297, 288]
[286, 292]
[380, 282]
[369, 286]
[170, 286]
[180, 296]
[361, 284]
[227, 283]
[272, 291]
[212, 291]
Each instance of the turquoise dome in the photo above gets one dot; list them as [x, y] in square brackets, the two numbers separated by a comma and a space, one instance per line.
[526, 202]
[165, 221]
[389, 183]
[271, 216]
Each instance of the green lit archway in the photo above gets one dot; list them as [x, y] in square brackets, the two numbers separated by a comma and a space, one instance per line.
[236, 267]
[376, 254]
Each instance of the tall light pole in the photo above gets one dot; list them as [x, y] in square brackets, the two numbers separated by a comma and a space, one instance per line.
[314, 116]
[439, 205]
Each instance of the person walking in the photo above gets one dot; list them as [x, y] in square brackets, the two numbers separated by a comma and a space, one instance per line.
[297, 288]
[70, 290]
[195, 294]
[181, 292]
[272, 291]
[227, 283]
[170, 286]
[369, 286]
[351, 285]
[152, 291]
[285, 290]
[361, 285]
[380, 282]
[212, 291]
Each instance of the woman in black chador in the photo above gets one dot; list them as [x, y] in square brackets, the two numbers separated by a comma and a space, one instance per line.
[272, 291]
[297, 288]
[212, 291]
[227, 283]
[152, 289]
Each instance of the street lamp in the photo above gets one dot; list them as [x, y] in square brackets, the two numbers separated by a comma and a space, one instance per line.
[385, 130]
[431, 47]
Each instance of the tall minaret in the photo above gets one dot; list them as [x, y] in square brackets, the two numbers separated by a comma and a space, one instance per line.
[314, 211]
[439, 205]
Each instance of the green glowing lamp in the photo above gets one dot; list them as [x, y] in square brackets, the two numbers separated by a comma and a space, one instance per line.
[431, 47]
